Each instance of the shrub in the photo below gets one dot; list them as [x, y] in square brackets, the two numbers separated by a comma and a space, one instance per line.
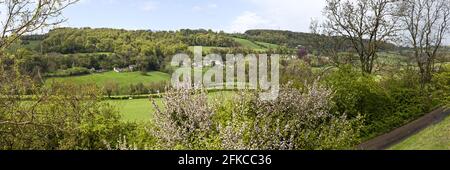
[111, 87]
[157, 87]
[358, 94]
[138, 89]
[75, 71]
[441, 84]
[62, 116]
[184, 121]
[386, 103]
[296, 73]
[297, 120]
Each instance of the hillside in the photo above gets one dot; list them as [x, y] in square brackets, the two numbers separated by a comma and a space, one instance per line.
[288, 38]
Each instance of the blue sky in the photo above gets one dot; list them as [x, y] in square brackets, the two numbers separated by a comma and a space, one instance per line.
[226, 15]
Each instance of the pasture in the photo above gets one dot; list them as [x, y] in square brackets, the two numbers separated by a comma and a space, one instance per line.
[122, 79]
[254, 45]
[244, 43]
[141, 110]
[136, 110]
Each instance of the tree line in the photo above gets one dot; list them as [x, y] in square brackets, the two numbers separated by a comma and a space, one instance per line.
[104, 49]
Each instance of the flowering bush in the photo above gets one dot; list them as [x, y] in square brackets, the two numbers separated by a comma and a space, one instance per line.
[298, 119]
[184, 121]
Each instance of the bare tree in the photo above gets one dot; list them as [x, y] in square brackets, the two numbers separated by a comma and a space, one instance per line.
[327, 43]
[365, 23]
[19, 17]
[426, 24]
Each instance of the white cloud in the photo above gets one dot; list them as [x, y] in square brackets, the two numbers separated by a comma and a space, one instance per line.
[248, 20]
[282, 14]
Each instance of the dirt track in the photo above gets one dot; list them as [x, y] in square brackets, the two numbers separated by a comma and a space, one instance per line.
[398, 135]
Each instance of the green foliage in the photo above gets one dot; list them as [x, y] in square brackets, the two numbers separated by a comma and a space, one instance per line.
[441, 83]
[63, 116]
[293, 39]
[248, 44]
[385, 103]
[296, 120]
[75, 71]
[357, 93]
[105, 49]
[68, 112]
[120, 83]
[130, 43]
[296, 73]
[206, 38]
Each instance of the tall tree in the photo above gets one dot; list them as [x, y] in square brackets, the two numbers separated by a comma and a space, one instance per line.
[365, 23]
[426, 24]
[19, 17]
[327, 43]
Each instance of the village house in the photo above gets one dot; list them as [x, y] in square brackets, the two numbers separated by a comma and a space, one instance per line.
[130, 68]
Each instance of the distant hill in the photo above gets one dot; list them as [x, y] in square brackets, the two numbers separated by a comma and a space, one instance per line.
[72, 40]
[87, 40]
[288, 38]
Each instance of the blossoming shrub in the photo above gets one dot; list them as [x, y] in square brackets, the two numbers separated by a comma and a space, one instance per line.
[184, 121]
[298, 119]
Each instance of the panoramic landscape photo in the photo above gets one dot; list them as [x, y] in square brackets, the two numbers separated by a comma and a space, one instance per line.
[224, 75]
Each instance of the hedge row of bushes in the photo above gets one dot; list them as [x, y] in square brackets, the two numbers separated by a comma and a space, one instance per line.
[299, 119]
[74, 71]
[389, 102]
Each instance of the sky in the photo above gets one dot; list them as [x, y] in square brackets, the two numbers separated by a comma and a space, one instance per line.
[219, 15]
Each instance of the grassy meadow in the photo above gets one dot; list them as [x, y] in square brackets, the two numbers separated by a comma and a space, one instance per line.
[436, 137]
[136, 110]
[244, 43]
[141, 110]
[123, 79]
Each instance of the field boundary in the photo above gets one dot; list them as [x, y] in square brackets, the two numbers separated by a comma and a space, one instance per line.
[398, 135]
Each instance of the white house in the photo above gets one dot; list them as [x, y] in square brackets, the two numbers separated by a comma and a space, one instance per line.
[118, 70]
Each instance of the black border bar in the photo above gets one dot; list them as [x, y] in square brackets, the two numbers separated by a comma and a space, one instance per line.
[277, 159]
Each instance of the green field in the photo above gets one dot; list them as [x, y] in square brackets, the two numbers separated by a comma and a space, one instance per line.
[259, 46]
[30, 45]
[267, 45]
[137, 110]
[141, 110]
[122, 79]
[436, 137]
[248, 44]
